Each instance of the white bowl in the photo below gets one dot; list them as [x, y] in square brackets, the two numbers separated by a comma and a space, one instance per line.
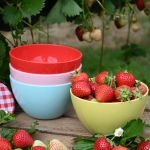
[41, 79]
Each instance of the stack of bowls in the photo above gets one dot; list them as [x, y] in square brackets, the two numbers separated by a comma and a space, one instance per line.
[40, 76]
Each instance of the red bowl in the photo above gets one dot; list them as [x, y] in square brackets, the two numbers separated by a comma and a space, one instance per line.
[45, 58]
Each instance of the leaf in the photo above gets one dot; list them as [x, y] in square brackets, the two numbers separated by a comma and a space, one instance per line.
[132, 129]
[32, 129]
[8, 133]
[12, 15]
[109, 6]
[84, 145]
[2, 52]
[138, 52]
[70, 8]
[5, 118]
[56, 15]
[31, 7]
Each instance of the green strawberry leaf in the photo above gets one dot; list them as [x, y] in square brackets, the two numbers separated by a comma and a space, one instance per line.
[32, 129]
[2, 52]
[31, 7]
[132, 129]
[12, 15]
[5, 118]
[84, 145]
[8, 133]
[70, 8]
[109, 6]
[56, 15]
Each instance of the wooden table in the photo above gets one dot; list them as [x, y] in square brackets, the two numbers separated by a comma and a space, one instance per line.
[64, 128]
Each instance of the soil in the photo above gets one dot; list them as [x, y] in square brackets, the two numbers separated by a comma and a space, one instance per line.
[64, 34]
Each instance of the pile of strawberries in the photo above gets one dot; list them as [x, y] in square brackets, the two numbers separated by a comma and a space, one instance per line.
[102, 144]
[22, 140]
[107, 88]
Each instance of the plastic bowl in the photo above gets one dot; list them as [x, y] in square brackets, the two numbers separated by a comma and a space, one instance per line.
[41, 79]
[42, 102]
[45, 58]
[104, 118]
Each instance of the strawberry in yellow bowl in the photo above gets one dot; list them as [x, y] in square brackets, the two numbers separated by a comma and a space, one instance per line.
[108, 102]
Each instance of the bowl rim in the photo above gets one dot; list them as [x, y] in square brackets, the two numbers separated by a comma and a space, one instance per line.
[117, 103]
[34, 74]
[31, 85]
[10, 54]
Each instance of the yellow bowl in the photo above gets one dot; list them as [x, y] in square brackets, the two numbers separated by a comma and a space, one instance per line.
[106, 117]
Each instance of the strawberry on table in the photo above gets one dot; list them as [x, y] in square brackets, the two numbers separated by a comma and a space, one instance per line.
[145, 145]
[125, 78]
[22, 139]
[123, 93]
[4, 144]
[38, 148]
[120, 148]
[78, 76]
[39, 143]
[104, 93]
[81, 89]
[102, 144]
[57, 145]
[100, 78]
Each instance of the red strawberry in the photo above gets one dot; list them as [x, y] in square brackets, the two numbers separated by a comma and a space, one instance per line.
[135, 27]
[81, 89]
[117, 24]
[144, 90]
[79, 76]
[100, 78]
[125, 78]
[79, 32]
[22, 139]
[140, 4]
[87, 37]
[89, 97]
[96, 34]
[147, 4]
[120, 148]
[102, 144]
[38, 148]
[4, 144]
[90, 2]
[93, 87]
[104, 93]
[145, 145]
[123, 93]
[136, 93]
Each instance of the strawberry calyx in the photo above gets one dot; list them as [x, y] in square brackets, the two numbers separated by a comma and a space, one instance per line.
[125, 94]
[110, 80]
[137, 93]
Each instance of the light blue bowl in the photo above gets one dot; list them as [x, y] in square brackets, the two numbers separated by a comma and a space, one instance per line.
[42, 102]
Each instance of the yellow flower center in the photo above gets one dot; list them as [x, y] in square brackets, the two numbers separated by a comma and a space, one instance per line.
[119, 133]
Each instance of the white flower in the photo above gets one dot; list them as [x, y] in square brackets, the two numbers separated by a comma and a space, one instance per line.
[118, 132]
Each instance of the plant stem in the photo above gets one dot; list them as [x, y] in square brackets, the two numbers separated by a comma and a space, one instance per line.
[48, 33]
[13, 36]
[7, 39]
[129, 27]
[106, 9]
[102, 40]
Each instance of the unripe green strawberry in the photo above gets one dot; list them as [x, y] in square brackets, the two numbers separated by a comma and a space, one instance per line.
[147, 4]
[122, 21]
[87, 37]
[96, 34]
[39, 143]
[56, 145]
[147, 12]
[135, 27]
